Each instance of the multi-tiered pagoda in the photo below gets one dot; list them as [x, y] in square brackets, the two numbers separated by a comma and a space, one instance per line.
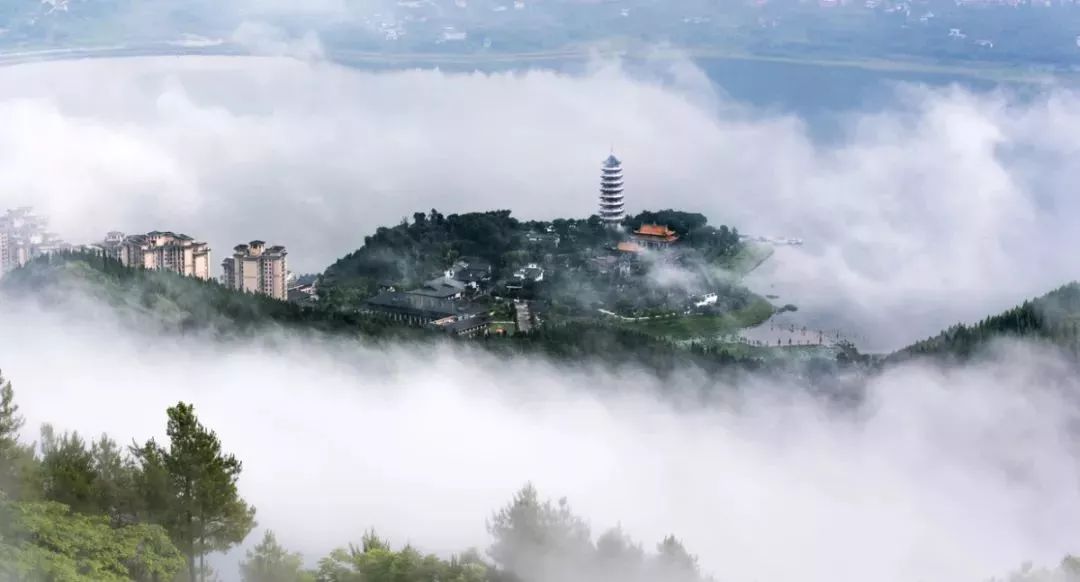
[611, 192]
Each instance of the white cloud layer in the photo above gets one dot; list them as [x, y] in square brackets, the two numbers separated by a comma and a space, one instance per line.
[944, 475]
[949, 207]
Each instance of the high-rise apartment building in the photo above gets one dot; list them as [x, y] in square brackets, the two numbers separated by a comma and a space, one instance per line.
[256, 268]
[5, 252]
[23, 236]
[160, 251]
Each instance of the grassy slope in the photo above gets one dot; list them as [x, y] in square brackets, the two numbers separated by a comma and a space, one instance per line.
[682, 327]
[750, 257]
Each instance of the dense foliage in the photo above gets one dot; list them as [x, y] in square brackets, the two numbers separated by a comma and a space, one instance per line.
[176, 303]
[583, 275]
[589, 342]
[411, 252]
[74, 512]
[166, 299]
[1053, 318]
[77, 512]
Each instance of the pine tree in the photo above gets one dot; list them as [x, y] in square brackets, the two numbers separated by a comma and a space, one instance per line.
[17, 463]
[190, 488]
[269, 562]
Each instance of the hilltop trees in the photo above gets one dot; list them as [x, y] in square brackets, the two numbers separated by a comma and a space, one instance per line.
[16, 459]
[191, 489]
[92, 512]
[1053, 318]
[542, 539]
[537, 541]
[269, 562]
[46, 541]
[78, 539]
[376, 561]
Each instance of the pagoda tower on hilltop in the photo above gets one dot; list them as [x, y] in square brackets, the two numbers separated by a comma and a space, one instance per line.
[612, 211]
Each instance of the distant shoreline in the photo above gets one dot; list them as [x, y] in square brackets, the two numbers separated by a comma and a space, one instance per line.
[345, 57]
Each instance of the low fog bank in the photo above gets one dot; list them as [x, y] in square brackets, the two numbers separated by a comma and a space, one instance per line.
[944, 207]
[944, 474]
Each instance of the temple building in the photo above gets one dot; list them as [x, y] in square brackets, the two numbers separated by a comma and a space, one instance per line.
[611, 209]
[655, 236]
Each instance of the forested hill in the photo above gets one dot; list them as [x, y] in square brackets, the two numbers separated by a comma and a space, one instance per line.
[412, 252]
[160, 301]
[1053, 318]
[169, 301]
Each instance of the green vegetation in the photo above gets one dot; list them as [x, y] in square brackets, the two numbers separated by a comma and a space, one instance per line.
[588, 342]
[96, 513]
[677, 326]
[1067, 571]
[1052, 319]
[77, 512]
[583, 273]
[408, 254]
[172, 302]
[207, 307]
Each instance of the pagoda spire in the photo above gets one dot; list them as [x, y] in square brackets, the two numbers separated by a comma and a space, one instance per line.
[612, 210]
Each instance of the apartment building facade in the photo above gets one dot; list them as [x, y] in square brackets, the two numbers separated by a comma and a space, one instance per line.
[24, 236]
[256, 268]
[160, 251]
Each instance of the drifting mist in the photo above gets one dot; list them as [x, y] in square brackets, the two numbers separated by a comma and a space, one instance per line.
[949, 206]
[943, 474]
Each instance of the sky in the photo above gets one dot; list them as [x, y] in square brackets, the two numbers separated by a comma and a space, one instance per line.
[943, 475]
[945, 206]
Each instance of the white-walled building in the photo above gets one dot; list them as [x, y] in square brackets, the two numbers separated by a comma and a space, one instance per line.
[255, 268]
[23, 236]
[159, 251]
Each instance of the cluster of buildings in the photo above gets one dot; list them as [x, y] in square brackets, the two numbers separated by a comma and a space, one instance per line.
[442, 303]
[24, 236]
[448, 301]
[158, 251]
[253, 268]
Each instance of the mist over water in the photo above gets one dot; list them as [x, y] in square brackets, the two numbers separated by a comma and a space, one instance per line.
[943, 474]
